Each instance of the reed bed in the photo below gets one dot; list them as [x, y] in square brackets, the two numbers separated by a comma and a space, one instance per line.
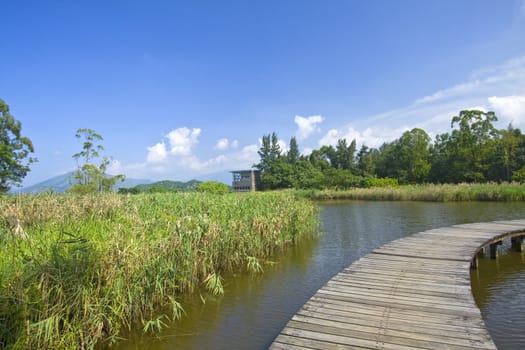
[429, 192]
[77, 271]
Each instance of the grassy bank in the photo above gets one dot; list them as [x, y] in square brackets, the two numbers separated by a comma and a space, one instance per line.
[76, 271]
[436, 193]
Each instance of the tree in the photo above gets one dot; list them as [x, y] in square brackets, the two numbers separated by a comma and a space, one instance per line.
[15, 150]
[344, 154]
[413, 156]
[508, 156]
[293, 152]
[367, 161]
[269, 151]
[275, 170]
[464, 155]
[91, 178]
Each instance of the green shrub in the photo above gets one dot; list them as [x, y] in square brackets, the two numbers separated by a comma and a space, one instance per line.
[213, 187]
[381, 182]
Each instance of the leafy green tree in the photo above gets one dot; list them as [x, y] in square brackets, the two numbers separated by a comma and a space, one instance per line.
[306, 175]
[508, 155]
[367, 161]
[464, 155]
[319, 159]
[440, 157]
[15, 150]
[341, 179]
[344, 157]
[91, 178]
[275, 170]
[412, 156]
[293, 153]
[269, 151]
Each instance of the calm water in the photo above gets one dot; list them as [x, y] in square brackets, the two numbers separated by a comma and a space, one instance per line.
[254, 309]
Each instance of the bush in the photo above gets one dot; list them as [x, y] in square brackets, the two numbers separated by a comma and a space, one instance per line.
[381, 182]
[213, 187]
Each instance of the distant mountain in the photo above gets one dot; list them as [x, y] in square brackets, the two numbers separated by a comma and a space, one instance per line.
[61, 183]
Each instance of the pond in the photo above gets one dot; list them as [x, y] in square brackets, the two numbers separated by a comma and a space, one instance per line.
[255, 308]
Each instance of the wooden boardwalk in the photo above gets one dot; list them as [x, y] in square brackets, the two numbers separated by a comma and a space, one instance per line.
[413, 293]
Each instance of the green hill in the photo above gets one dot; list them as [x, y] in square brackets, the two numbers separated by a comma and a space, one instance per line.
[163, 186]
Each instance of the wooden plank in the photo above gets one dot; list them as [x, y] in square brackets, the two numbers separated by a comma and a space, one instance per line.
[384, 316]
[426, 316]
[442, 338]
[412, 293]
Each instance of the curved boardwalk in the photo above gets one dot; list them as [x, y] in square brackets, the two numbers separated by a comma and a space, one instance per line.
[413, 293]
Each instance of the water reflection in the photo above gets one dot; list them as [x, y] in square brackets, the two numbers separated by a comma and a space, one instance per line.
[499, 289]
[254, 310]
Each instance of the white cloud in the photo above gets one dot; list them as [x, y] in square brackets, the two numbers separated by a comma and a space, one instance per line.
[372, 137]
[224, 144]
[182, 140]
[249, 154]
[307, 151]
[307, 126]
[283, 145]
[511, 109]
[157, 153]
[162, 164]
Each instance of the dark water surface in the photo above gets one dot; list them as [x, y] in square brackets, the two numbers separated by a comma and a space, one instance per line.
[255, 308]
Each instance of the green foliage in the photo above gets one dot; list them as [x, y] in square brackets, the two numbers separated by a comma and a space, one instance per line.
[519, 175]
[15, 150]
[381, 182]
[464, 155]
[269, 152]
[89, 177]
[93, 267]
[213, 187]
[473, 152]
[293, 153]
[429, 192]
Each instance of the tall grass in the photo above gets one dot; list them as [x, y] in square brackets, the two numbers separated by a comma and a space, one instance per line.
[76, 271]
[430, 192]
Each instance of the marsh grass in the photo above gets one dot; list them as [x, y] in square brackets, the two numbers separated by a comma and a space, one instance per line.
[430, 192]
[91, 268]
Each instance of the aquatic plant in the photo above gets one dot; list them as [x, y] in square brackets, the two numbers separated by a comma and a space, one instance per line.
[429, 192]
[88, 268]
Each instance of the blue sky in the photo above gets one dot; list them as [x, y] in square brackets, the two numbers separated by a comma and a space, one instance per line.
[182, 89]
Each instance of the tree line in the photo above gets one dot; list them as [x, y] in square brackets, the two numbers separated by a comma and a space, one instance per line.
[473, 151]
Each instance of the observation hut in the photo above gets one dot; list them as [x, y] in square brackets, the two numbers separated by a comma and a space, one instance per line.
[246, 180]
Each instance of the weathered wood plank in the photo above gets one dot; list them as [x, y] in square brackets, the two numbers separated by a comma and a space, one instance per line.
[412, 293]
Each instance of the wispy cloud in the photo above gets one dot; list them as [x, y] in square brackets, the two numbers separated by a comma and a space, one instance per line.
[499, 88]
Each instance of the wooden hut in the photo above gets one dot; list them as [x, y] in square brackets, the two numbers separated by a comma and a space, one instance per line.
[246, 180]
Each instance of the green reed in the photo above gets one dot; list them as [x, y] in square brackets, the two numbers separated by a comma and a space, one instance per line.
[76, 271]
[429, 192]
